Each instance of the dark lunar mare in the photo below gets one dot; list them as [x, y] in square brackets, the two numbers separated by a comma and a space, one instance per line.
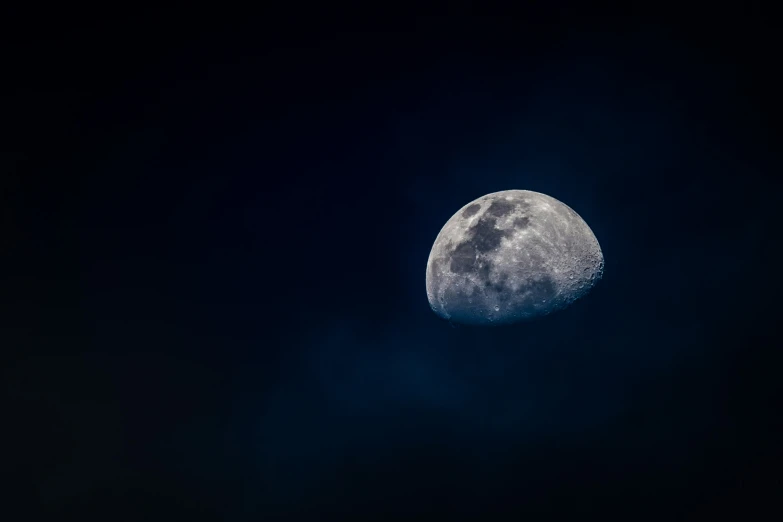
[483, 237]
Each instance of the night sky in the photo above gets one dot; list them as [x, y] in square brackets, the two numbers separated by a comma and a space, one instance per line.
[214, 233]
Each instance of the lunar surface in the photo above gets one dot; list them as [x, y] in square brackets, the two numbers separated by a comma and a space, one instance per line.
[511, 256]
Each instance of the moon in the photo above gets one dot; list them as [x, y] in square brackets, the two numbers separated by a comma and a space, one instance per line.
[511, 256]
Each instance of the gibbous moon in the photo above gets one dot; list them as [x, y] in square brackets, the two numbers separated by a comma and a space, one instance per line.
[511, 256]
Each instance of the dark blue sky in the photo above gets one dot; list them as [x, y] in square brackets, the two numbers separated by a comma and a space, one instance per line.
[215, 241]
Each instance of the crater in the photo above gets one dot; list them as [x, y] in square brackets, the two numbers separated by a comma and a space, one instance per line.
[471, 210]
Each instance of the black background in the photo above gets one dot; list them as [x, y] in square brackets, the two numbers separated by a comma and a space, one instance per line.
[215, 228]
